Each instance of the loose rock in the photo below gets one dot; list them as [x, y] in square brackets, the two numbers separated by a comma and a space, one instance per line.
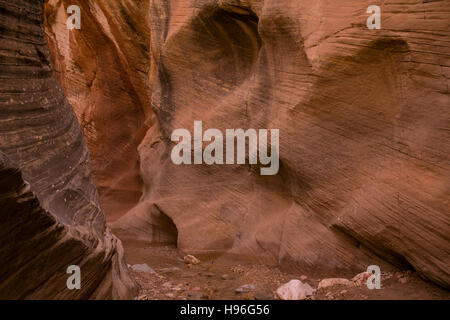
[246, 288]
[361, 278]
[169, 270]
[403, 280]
[143, 268]
[190, 259]
[325, 283]
[295, 290]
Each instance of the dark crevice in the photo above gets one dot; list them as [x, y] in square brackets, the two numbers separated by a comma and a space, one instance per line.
[381, 252]
[164, 229]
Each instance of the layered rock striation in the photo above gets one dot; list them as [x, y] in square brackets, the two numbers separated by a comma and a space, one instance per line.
[103, 68]
[364, 141]
[50, 217]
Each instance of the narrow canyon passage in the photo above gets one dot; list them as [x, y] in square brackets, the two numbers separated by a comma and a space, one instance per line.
[136, 138]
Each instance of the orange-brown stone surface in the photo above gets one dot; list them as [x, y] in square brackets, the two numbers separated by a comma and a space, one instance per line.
[104, 71]
[364, 133]
[50, 217]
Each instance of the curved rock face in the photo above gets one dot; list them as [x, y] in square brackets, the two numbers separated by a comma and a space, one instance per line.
[53, 220]
[104, 71]
[364, 141]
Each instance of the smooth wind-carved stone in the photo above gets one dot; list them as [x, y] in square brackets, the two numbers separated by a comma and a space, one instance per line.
[363, 118]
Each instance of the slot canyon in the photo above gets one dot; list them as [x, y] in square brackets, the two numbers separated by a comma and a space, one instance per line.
[86, 176]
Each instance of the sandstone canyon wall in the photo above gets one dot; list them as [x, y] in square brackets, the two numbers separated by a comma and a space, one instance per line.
[104, 71]
[50, 216]
[364, 133]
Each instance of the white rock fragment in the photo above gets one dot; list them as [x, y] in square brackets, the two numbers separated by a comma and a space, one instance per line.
[295, 290]
[169, 270]
[143, 268]
[246, 288]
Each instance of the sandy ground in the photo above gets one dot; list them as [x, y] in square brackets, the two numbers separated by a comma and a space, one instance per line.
[214, 279]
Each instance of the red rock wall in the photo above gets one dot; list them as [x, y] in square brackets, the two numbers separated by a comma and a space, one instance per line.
[363, 118]
[50, 217]
[104, 71]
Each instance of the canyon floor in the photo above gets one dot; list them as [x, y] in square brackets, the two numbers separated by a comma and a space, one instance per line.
[215, 279]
